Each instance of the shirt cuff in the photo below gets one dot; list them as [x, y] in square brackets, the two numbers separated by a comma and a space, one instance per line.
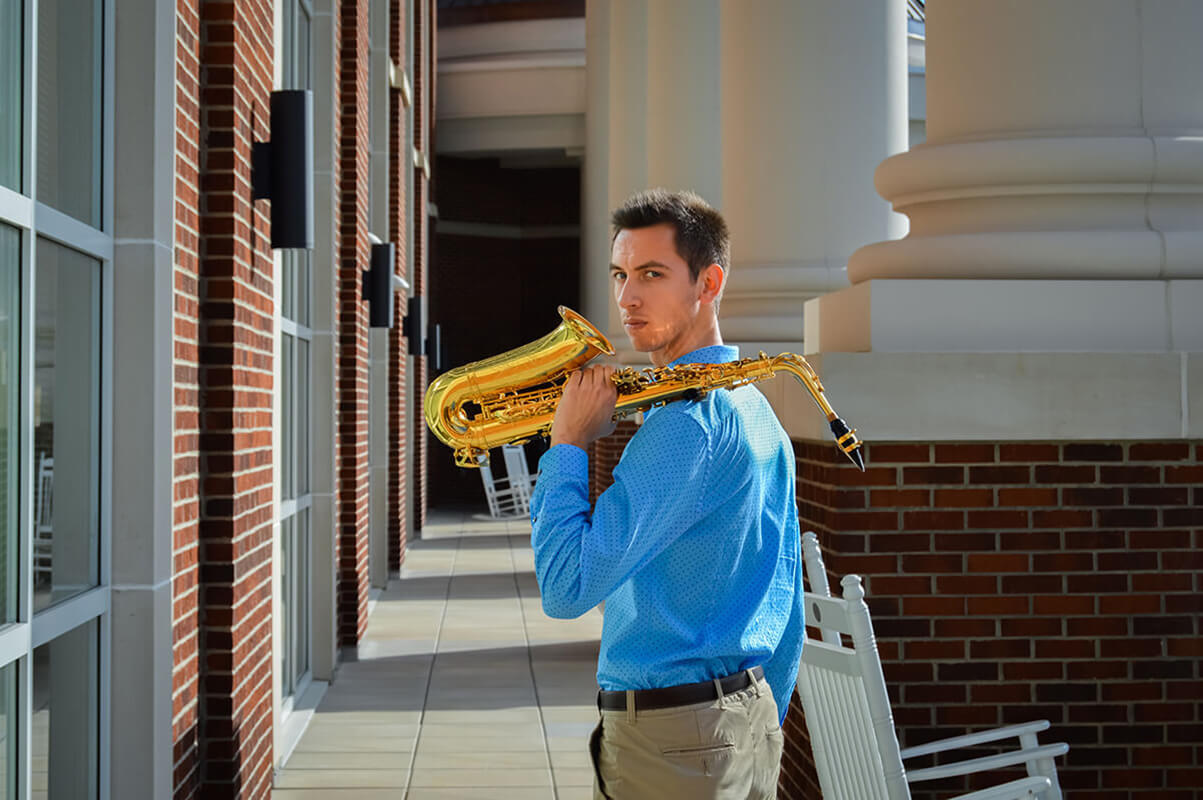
[567, 461]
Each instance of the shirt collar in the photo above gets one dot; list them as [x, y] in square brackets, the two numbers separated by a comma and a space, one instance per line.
[712, 354]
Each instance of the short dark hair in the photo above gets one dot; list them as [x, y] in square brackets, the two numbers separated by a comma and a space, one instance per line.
[701, 233]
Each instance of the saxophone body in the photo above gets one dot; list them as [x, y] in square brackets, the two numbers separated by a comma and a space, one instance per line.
[512, 397]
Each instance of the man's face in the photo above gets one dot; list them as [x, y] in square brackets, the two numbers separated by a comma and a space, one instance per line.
[657, 299]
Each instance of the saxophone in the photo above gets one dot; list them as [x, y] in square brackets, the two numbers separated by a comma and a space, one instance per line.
[511, 397]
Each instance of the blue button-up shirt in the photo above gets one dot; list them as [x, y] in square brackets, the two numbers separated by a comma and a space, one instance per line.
[694, 548]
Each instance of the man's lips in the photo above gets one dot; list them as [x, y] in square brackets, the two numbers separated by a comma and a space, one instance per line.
[634, 323]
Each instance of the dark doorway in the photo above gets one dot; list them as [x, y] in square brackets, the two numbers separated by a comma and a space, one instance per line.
[506, 253]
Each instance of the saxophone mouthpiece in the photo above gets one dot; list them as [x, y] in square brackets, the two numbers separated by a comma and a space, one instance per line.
[845, 437]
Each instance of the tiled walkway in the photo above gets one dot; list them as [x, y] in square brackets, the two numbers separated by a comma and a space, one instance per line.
[463, 687]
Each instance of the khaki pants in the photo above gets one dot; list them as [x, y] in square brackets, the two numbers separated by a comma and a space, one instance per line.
[723, 749]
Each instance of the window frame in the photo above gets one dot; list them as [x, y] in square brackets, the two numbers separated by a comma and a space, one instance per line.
[290, 510]
[33, 220]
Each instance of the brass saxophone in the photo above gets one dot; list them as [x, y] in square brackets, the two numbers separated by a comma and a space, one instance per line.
[511, 397]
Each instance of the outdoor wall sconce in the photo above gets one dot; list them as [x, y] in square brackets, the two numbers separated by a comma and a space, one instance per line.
[415, 333]
[282, 169]
[379, 283]
[412, 328]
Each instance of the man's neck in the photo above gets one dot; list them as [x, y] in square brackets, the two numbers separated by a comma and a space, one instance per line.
[705, 335]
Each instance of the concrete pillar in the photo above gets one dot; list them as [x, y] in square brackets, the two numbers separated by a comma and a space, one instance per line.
[1068, 167]
[814, 95]
[677, 95]
[1055, 258]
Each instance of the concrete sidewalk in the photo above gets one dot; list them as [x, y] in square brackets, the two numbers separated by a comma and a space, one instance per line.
[462, 687]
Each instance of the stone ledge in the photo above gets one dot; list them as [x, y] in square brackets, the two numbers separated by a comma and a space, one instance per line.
[904, 397]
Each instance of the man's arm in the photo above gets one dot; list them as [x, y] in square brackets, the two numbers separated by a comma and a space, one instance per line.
[658, 493]
[781, 670]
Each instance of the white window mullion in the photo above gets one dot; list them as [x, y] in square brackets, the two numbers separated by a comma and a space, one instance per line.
[14, 642]
[70, 232]
[52, 622]
[15, 209]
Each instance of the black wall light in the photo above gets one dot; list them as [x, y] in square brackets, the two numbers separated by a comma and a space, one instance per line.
[379, 283]
[414, 330]
[282, 169]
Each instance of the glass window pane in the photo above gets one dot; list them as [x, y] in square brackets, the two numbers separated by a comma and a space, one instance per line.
[66, 436]
[288, 419]
[12, 81]
[8, 732]
[10, 406]
[288, 279]
[303, 80]
[69, 107]
[287, 549]
[303, 269]
[65, 723]
[302, 421]
[302, 595]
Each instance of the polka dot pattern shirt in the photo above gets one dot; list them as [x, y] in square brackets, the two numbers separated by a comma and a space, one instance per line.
[694, 548]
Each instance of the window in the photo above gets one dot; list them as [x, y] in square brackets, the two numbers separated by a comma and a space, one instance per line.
[295, 341]
[69, 107]
[66, 425]
[55, 263]
[11, 89]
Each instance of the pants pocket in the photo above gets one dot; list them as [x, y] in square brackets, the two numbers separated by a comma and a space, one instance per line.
[599, 786]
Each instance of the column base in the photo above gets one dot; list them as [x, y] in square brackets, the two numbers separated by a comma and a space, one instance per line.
[999, 396]
[1008, 316]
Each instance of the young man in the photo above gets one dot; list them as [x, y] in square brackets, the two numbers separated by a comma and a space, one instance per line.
[695, 547]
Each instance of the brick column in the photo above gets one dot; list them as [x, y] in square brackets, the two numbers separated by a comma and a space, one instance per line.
[236, 355]
[352, 360]
[185, 709]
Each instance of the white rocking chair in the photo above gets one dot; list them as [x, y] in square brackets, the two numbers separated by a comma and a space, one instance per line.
[518, 472]
[504, 500]
[43, 531]
[843, 692]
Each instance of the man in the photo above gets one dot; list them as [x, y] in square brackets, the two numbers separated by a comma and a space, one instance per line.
[694, 548]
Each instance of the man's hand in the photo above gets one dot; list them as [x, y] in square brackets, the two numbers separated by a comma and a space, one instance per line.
[586, 410]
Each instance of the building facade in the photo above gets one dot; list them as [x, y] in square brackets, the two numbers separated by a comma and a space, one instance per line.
[208, 452]
[984, 234]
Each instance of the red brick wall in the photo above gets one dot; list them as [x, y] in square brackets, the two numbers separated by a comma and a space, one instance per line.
[186, 392]
[1019, 581]
[353, 363]
[226, 751]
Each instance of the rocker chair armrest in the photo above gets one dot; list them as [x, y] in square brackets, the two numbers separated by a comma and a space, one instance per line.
[1022, 789]
[972, 739]
[987, 763]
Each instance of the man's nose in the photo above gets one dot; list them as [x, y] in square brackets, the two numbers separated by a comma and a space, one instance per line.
[628, 294]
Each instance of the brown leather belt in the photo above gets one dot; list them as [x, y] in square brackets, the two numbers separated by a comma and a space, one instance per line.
[683, 695]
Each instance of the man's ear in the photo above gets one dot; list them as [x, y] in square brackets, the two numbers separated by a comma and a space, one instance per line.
[712, 279]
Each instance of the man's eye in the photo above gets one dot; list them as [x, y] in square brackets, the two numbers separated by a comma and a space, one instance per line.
[652, 273]
[617, 276]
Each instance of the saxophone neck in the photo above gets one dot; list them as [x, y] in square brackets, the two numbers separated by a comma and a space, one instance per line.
[801, 369]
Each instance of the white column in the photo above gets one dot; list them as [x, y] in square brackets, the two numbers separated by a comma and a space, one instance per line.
[814, 96]
[1050, 284]
[595, 183]
[141, 667]
[1062, 175]
[775, 112]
